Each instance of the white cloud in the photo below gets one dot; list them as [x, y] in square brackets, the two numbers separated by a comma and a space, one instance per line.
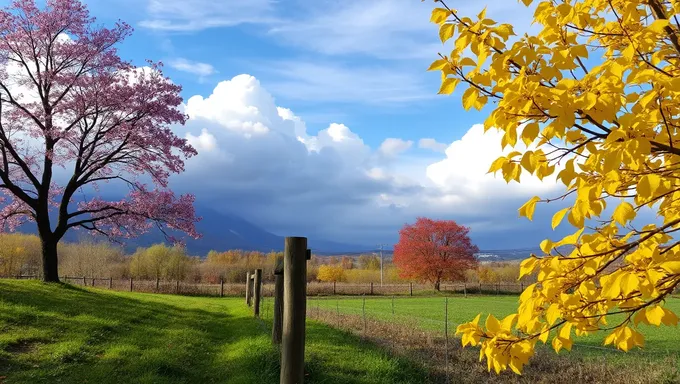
[432, 144]
[205, 142]
[463, 173]
[392, 147]
[194, 15]
[194, 67]
[258, 160]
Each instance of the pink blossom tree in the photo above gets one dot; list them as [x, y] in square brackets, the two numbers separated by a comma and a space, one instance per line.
[68, 100]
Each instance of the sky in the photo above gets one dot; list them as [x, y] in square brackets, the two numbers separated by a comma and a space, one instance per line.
[318, 118]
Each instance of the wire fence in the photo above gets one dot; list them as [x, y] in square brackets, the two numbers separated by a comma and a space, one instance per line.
[313, 288]
[425, 336]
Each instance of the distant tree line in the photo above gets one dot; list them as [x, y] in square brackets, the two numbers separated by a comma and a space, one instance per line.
[20, 255]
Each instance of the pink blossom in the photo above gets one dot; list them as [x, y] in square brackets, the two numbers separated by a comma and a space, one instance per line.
[68, 100]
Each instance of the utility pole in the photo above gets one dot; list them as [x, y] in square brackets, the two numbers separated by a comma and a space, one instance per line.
[381, 263]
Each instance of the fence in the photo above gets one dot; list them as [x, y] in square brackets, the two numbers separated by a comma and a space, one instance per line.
[410, 289]
[427, 337]
[156, 286]
[313, 288]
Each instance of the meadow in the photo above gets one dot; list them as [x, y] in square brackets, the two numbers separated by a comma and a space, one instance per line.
[51, 333]
[429, 314]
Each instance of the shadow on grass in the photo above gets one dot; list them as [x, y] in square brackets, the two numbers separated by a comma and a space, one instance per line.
[61, 333]
[78, 335]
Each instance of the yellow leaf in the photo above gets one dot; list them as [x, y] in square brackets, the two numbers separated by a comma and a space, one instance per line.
[624, 213]
[492, 324]
[438, 64]
[504, 31]
[629, 52]
[462, 42]
[580, 50]
[672, 267]
[658, 25]
[467, 61]
[448, 85]
[557, 344]
[629, 283]
[529, 161]
[558, 216]
[526, 267]
[528, 208]
[640, 317]
[648, 184]
[565, 331]
[439, 15]
[446, 32]
[571, 239]
[546, 246]
[552, 314]
[669, 317]
[654, 315]
[469, 98]
[497, 165]
[530, 133]
[506, 323]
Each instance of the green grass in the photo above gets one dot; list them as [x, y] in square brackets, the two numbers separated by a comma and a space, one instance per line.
[53, 333]
[428, 313]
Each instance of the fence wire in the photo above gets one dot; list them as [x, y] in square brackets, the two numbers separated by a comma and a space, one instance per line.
[389, 322]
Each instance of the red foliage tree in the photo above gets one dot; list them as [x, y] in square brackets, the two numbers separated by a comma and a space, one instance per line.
[434, 250]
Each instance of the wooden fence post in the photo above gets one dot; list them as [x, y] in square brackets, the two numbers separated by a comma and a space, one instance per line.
[257, 288]
[278, 306]
[221, 287]
[110, 282]
[294, 310]
[248, 288]
[84, 282]
[130, 284]
[334, 288]
[411, 288]
[177, 287]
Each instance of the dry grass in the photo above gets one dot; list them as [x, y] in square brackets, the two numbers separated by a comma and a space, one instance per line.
[429, 350]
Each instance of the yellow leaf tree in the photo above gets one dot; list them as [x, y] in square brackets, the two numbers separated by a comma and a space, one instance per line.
[331, 273]
[595, 98]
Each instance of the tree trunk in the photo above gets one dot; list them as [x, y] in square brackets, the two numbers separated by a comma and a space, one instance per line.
[437, 285]
[49, 259]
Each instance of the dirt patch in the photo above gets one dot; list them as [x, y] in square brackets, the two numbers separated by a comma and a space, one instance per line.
[22, 346]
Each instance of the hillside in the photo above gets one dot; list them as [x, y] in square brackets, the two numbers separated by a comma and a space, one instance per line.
[60, 333]
[222, 231]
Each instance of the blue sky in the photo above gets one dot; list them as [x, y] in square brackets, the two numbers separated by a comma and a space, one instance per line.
[377, 84]
[317, 118]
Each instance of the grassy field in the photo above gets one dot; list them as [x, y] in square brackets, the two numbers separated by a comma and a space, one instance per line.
[64, 334]
[428, 313]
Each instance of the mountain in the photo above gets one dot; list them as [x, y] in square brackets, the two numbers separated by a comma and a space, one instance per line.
[514, 254]
[222, 232]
